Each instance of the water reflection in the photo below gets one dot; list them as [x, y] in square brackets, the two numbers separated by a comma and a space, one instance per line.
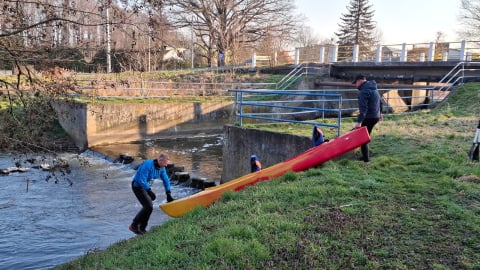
[201, 155]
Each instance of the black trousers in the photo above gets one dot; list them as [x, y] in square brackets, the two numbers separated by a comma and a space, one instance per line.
[142, 217]
[369, 123]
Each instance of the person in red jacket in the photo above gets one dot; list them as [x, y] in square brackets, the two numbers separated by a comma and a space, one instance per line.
[141, 186]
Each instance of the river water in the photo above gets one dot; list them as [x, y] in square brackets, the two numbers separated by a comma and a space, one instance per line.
[50, 219]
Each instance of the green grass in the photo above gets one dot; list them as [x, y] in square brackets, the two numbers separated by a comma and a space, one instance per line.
[416, 206]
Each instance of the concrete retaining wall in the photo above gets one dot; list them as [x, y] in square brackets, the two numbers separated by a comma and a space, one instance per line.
[110, 123]
[96, 124]
[271, 148]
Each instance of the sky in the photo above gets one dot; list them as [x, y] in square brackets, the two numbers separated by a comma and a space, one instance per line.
[405, 21]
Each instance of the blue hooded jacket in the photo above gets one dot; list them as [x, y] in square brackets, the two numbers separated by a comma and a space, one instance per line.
[369, 103]
[317, 137]
[147, 172]
[254, 167]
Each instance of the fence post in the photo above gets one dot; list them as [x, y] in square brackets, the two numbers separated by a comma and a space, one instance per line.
[403, 56]
[463, 51]
[378, 55]
[297, 56]
[321, 56]
[431, 52]
[334, 54]
[253, 61]
[355, 53]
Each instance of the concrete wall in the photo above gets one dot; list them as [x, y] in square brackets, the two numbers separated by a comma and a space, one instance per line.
[110, 123]
[73, 119]
[271, 148]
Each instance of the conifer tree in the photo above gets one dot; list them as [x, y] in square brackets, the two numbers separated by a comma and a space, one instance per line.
[357, 27]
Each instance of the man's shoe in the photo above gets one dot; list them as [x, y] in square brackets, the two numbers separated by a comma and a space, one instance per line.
[134, 229]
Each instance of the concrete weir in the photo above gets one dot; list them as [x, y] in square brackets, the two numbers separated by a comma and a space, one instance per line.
[96, 124]
[111, 123]
[271, 148]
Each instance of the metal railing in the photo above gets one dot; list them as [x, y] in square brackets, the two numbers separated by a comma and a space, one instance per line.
[405, 52]
[457, 76]
[155, 89]
[292, 77]
[298, 72]
[269, 106]
[320, 107]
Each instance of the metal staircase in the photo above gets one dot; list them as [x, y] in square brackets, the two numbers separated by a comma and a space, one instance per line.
[457, 76]
[296, 73]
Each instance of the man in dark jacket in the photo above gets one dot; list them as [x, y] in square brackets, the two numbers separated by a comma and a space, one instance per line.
[370, 107]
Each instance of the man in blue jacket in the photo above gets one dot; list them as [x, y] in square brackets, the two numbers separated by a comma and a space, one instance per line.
[370, 107]
[141, 186]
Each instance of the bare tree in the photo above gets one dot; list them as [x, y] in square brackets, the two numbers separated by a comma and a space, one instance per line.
[306, 37]
[38, 36]
[222, 26]
[136, 30]
[470, 18]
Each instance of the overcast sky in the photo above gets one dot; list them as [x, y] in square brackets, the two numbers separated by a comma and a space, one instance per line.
[406, 21]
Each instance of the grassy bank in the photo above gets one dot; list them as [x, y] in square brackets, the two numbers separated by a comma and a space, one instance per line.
[416, 206]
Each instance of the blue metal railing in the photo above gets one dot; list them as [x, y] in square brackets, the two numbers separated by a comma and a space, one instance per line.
[268, 105]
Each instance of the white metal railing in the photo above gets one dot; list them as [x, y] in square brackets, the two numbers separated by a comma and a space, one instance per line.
[147, 88]
[414, 52]
[461, 72]
[291, 77]
[296, 73]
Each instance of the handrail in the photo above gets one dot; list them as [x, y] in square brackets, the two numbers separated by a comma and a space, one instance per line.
[290, 73]
[455, 77]
[293, 76]
[275, 110]
[287, 80]
[449, 75]
[415, 52]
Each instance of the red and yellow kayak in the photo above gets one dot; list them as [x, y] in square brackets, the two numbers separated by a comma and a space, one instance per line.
[308, 159]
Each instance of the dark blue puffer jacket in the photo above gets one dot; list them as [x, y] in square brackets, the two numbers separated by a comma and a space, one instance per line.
[369, 103]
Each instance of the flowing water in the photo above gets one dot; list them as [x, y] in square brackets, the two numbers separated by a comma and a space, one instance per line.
[47, 220]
